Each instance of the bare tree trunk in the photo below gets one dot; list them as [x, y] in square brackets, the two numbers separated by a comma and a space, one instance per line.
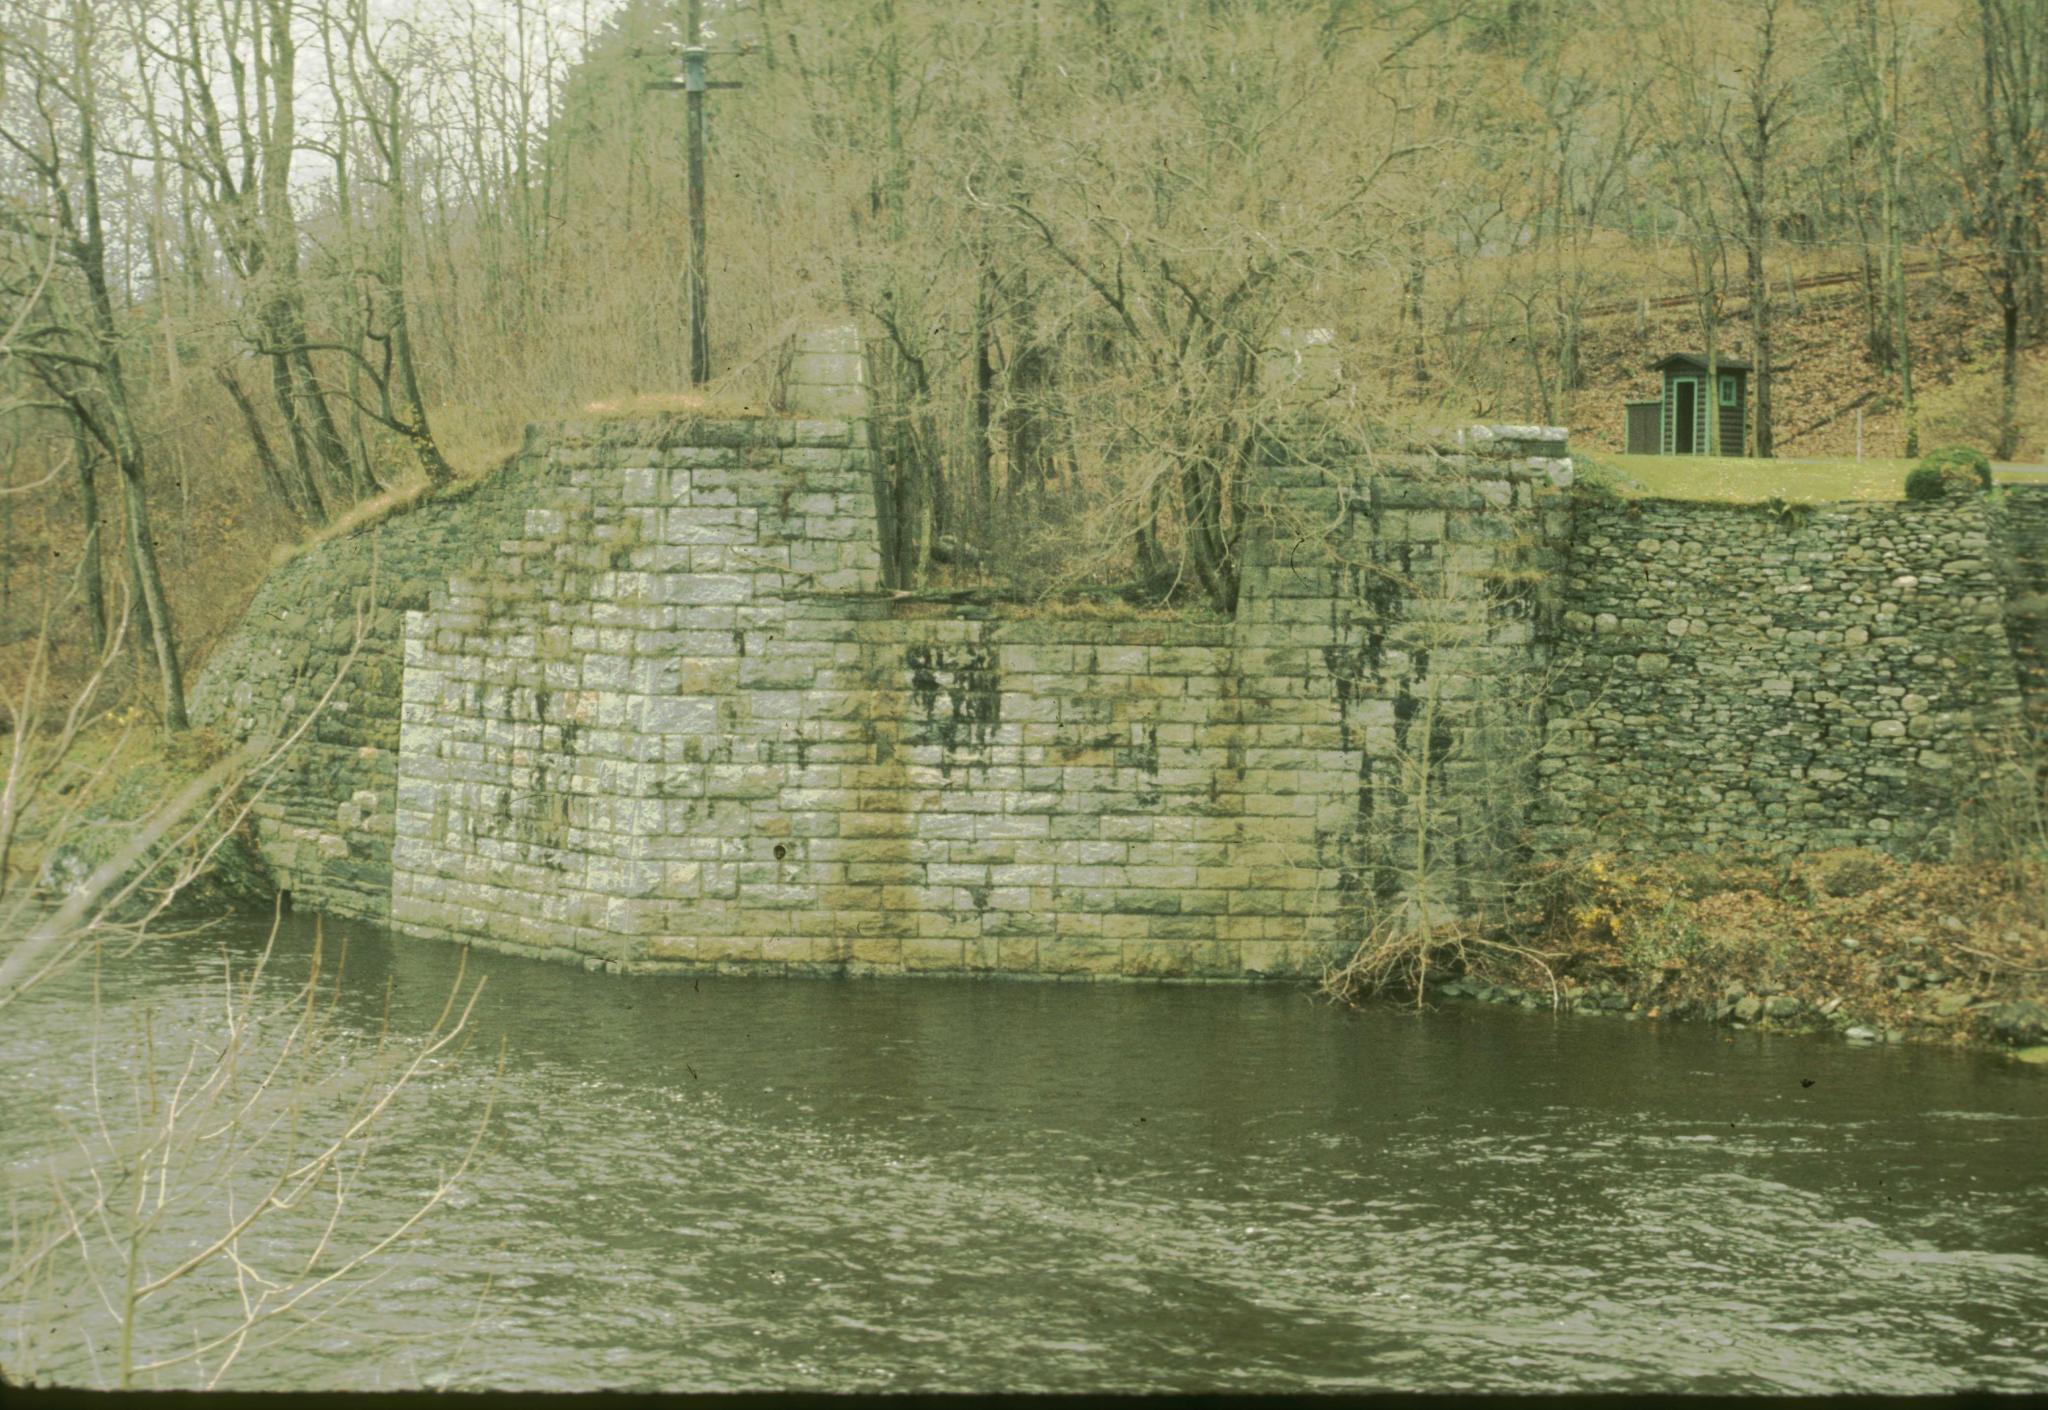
[1760, 341]
[1152, 566]
[1027, 418]
[1882, 78]
[84, 232]
[1207, 484]
[285, 317]
[89, 554]
[1877, 336]
[2009, 375]
[2008, 188]
[274, 479]
[1546, 401]
[398, 323]
[277, 330]
[361, 476]
[1411, 306]
[149, 581]
[1895, 251]
[983, 397]
[1763, 126]
[384, 117]
[325, 434]
[1707, 306]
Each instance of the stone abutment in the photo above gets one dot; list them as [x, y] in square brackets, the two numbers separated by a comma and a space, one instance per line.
[640, 701]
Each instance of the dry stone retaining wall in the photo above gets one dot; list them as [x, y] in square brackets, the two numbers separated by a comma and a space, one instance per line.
[2020, 535]
[1773, 679]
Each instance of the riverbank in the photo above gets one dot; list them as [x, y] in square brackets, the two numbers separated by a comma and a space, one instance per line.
[1850, 942]
[1847, 941]
[80, 799]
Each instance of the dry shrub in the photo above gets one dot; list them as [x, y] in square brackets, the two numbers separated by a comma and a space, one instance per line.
[1847, 871]
[1397, 957]
[1611, 916]
[2003, 824]
[2005, 818]
[1699, 875]
[1841, 924]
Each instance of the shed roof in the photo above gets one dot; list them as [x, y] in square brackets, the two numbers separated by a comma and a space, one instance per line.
[1699, 360]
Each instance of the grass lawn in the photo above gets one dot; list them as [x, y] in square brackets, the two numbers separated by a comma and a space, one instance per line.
[1720, 477]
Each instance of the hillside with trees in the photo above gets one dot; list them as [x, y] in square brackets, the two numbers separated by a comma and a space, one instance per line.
[268, 267]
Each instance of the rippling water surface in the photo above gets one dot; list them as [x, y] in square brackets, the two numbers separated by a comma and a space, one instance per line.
[883, 1184]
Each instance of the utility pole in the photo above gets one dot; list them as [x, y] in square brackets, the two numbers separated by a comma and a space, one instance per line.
[693, 84]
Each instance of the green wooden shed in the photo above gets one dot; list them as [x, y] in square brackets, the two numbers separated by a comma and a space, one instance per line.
[1676, 423]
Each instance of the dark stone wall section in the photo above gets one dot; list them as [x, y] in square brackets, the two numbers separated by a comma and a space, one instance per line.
[2020, 532]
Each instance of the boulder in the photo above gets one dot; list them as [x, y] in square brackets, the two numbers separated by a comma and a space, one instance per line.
[2022, 1022]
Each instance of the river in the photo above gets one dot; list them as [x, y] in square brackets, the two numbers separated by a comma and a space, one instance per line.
[952, 1185]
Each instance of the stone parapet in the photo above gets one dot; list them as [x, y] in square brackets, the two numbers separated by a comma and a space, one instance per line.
[824, 374]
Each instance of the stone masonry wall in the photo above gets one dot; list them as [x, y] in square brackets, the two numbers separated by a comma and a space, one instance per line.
[675, 725]
[1392, 654]
[1771, 680]
[325, 823]
[590, 717]
[657, 713]
[2020, 535]
[1016, 794]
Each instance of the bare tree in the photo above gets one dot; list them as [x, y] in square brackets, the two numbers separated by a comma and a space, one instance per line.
[234, 136]
[2008, 180]
[1766, 90]
[1194, 235]
[54, 129]
[1877, 47]
[1693, 117]
[380, 100]
[210, 1213]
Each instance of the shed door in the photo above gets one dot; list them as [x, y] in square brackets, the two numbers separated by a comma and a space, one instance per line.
[1686, 418]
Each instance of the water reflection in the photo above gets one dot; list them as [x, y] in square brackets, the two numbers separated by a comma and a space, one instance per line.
[728, 1184]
